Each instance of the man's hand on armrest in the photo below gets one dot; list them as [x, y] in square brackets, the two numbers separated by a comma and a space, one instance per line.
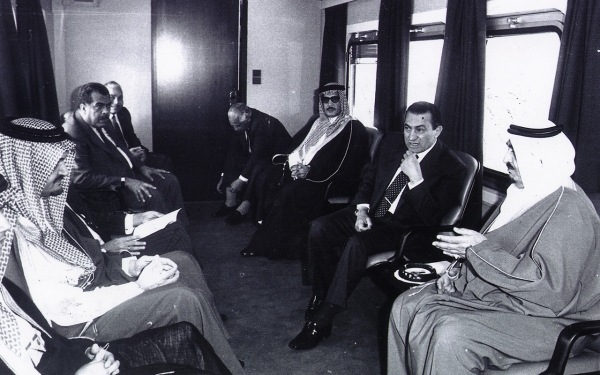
[363, 221]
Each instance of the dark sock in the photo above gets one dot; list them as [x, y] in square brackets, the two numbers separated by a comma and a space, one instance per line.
[324, 316]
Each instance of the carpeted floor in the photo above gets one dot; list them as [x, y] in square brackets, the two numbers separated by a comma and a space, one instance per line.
[265, 303]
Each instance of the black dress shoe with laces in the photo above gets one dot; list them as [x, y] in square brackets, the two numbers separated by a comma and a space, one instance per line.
[223, 211]
[235, 218]
[247, 253]
[310, 336]
[313, 306]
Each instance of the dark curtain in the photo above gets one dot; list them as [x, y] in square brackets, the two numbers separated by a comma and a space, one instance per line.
[461, 87]
[8, 60]
[576, 95]
[40, 94]
[392, 64]
[333, 56]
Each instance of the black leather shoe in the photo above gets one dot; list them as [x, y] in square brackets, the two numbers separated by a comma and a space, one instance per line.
[247, 253]
[235, 218]
[313, 306]
[310, 336]
[223, 211]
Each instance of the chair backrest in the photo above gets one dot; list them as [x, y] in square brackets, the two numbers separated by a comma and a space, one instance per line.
[375, 137]
[455, 214]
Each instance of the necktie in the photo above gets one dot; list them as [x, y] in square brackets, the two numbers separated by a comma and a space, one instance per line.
[118, 131]
[108, 140]
[391, 193]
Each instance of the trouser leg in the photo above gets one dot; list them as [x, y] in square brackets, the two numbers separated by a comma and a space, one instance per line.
[353, 260]
[325, 236]
[172, 238]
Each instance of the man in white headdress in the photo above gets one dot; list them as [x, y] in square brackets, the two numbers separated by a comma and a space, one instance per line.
[530, 272]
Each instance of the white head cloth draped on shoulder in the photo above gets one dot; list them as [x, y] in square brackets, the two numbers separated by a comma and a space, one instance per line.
[29, 152]
[545, 159]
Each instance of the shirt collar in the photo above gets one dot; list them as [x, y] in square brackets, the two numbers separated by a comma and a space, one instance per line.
[421, 155]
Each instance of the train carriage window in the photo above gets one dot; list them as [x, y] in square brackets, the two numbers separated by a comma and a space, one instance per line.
[425, 56]
[521, 59]
[362, 74]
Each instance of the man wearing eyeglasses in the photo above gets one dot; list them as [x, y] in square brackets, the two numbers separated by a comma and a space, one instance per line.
[413, 181]
[331, 146]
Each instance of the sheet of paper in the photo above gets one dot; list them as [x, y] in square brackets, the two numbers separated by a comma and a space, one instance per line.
[155, 225]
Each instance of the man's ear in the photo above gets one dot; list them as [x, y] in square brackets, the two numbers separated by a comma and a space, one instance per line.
[81, 106]
[438, 131]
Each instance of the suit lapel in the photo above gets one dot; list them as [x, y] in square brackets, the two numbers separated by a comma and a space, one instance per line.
[108, 148]
[387, 175]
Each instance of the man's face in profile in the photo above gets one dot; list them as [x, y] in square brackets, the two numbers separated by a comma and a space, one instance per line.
[510, 159]
[419, 134]
[332, 106]
[53, 184]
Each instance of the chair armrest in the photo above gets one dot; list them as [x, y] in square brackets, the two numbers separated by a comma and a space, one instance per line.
[428, 235]
[565, 342]
[345, 187]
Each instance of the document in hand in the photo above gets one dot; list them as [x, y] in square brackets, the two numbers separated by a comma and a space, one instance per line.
[155, 225]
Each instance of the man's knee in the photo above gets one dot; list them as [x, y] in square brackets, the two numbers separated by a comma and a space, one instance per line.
[317, 227]
[180, 258]
[452, 338]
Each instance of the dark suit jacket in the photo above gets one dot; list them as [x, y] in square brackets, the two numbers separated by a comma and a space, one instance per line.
[426, 204]
[130, 137]
[267, 137]
[108, 266]
[98, 165]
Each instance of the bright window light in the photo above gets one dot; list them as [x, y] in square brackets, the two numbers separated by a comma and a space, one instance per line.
[363, 75]
[423, 69]
[519, 78]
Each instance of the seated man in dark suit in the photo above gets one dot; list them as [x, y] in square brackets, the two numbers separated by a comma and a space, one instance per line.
[413, 181]
[258, 137]
[102, 227]
[102, 161]
[121, 122]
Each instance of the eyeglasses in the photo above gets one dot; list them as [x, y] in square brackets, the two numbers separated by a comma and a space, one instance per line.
[333, 99]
